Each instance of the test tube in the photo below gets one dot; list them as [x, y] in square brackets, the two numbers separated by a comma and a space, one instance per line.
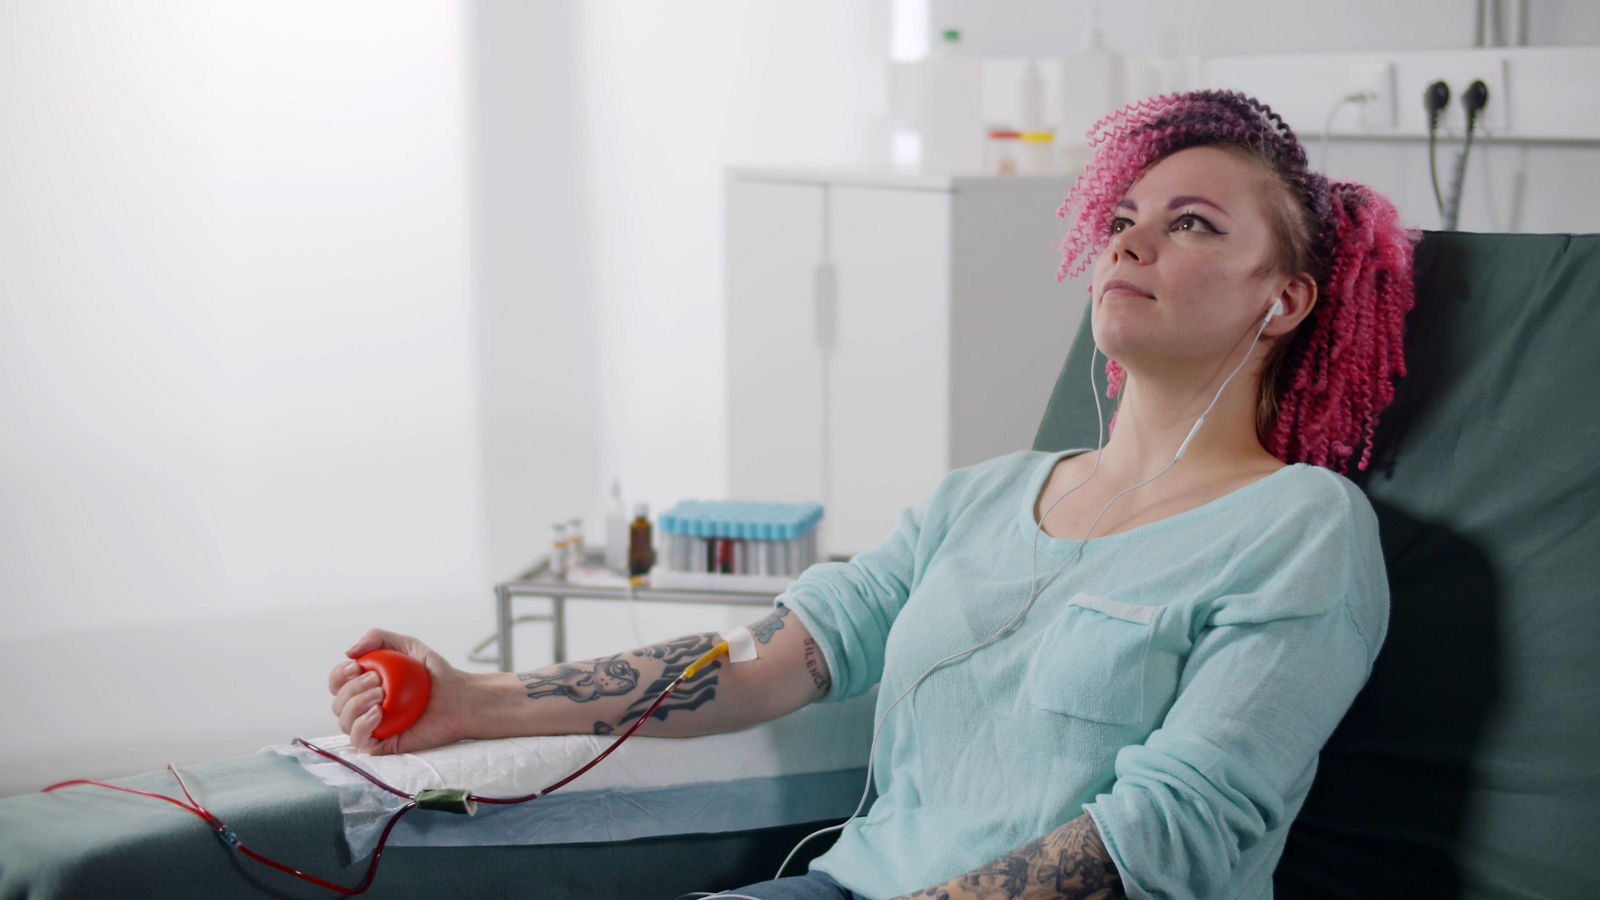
[678, 551]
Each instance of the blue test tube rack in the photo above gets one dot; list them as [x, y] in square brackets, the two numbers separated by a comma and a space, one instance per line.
[733, 537]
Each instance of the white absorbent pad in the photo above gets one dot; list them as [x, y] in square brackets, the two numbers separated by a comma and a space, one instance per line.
[805, 767]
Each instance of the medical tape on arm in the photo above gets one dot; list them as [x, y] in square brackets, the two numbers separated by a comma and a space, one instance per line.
[741, 644]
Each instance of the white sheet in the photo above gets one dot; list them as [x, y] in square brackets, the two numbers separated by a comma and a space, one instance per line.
[804, 767]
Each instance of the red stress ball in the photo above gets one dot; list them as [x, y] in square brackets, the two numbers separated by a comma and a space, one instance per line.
[405, 689]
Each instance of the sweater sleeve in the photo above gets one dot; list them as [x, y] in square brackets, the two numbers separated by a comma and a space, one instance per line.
[1268, 678]
[849, 607]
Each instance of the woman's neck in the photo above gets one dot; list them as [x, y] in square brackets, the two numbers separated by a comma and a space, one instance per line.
[1154, 420]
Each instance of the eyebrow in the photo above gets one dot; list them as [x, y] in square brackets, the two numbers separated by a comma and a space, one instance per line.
[1175, 203]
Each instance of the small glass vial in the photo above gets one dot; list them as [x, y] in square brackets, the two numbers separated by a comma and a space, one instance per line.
[1037, 156]
[641, 552]
[1002, 151]
[558, 550]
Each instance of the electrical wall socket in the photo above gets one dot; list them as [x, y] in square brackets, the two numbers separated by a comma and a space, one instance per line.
[1376, 82]
[1496, 116]
[1536, 94]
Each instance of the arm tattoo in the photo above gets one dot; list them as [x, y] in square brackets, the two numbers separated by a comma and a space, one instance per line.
[1070, 863]
[769, 626]
[614, 676]
[814, 667]
[582, 682]
[676, 654]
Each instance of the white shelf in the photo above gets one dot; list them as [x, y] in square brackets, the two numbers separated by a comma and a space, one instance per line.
[904, 179]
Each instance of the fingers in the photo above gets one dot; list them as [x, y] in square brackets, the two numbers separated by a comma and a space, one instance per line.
[360, 730]
[358, 694]
[356, 698]
[342, 673]
[378, 639]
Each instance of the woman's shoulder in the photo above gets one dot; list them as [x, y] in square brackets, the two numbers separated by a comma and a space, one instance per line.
[1311, 507]
[1012, 470]
[991, 482]
[1308, 544]
[1300, 488]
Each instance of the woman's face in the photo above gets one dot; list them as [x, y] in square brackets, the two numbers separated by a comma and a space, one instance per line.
[1188, 275]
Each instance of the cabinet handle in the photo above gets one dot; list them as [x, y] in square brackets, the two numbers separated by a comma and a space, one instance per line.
[826, 309]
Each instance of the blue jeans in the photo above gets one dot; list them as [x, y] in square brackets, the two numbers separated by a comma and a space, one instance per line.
[810, 886]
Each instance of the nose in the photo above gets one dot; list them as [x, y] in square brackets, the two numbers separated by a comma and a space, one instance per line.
[1129, 244]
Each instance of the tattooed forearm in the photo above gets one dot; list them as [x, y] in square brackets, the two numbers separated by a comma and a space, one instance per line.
[677, 653]
[769, 626]
[690, 695]
[582, 682]
[1070, 863]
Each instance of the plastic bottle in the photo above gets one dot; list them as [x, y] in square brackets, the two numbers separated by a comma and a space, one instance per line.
[575, 549]
[1030, 98]
[953, 133]
[616, 530]
[641, 553]
[558, 550]
[1091, 84]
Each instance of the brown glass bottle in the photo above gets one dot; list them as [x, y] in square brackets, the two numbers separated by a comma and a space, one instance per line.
[641, 549]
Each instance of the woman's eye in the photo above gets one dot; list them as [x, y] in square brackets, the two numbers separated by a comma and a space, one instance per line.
[1191, 222]
[1120, 224]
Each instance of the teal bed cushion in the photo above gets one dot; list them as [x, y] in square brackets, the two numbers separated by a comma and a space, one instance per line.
[1470, 764]
[88, 842]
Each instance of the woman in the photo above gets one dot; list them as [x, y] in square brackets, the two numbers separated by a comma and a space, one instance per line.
[1123, 661]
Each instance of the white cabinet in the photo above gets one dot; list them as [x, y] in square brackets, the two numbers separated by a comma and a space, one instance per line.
[883, 329]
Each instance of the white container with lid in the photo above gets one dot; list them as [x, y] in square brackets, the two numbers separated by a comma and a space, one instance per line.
[952, 127]
[1091, 84]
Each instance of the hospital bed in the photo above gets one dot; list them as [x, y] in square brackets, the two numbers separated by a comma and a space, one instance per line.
[1468, 767]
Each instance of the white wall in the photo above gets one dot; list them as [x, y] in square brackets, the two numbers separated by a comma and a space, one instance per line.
[1155, 28]
[239, 363]
[237, 319]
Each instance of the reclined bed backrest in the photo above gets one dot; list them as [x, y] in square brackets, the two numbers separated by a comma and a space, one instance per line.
[1470, 764]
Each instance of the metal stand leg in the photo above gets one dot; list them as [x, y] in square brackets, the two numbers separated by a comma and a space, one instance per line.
[558, 628]
[502, 600]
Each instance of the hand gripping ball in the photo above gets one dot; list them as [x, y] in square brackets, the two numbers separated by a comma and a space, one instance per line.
[405, 689]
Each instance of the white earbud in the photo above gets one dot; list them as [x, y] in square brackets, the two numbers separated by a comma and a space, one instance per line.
[1276, 309]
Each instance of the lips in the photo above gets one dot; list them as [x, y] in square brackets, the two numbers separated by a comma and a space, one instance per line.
[1125, 287]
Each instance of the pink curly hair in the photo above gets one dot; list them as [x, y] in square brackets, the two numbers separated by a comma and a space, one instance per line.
[1326, 383]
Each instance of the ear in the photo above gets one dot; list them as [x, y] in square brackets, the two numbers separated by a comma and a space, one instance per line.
[1298, 294]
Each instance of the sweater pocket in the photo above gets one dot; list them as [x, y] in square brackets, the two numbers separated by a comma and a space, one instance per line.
[1091, 660]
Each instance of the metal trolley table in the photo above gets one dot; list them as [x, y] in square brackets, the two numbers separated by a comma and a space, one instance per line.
[540, 581]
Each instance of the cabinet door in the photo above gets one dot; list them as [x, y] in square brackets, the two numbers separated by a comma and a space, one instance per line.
[888, 398]
[775, 424]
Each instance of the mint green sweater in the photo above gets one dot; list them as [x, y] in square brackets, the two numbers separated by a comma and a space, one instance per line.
[1177, 681]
